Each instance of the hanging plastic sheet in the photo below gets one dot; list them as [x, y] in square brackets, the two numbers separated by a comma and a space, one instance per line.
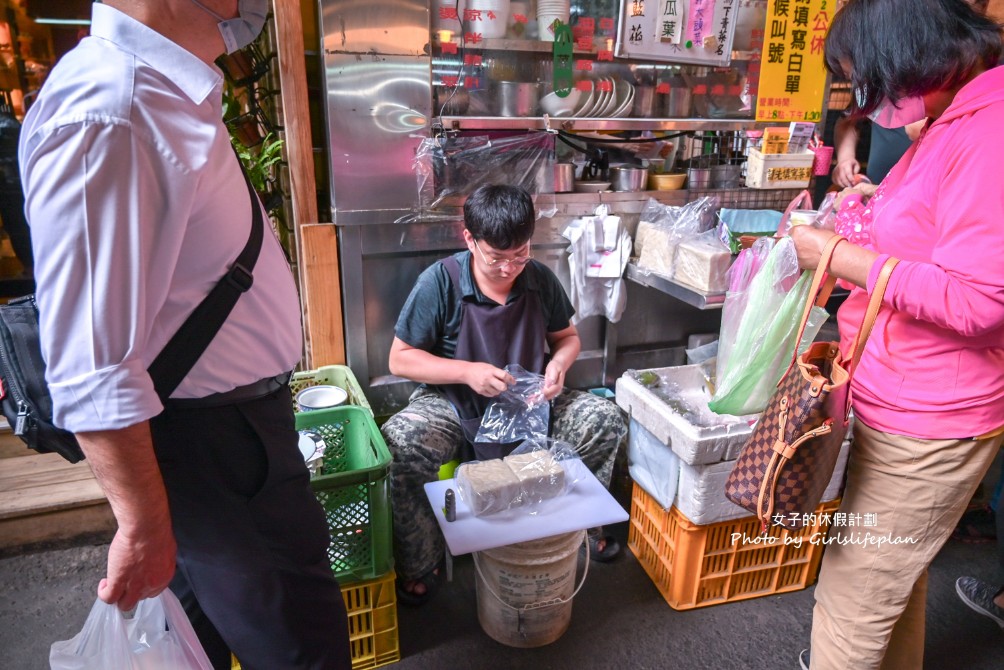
[453, 166]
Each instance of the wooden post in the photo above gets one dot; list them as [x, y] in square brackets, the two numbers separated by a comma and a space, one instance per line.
[317, 251]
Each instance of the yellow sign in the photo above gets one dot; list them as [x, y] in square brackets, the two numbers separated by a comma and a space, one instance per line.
[792, 73]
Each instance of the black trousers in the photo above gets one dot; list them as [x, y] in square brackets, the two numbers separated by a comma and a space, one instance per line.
[252, 568]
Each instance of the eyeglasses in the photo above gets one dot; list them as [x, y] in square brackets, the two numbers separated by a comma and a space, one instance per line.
[518, 261]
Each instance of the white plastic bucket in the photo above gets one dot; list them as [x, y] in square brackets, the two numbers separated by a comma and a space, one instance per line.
[525, 590]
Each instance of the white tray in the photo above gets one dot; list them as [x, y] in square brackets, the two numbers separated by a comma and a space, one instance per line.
[587, 505]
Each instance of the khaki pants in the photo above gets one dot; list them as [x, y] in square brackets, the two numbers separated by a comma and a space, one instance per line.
[870, 599]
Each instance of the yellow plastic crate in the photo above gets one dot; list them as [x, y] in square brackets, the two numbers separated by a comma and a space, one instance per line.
[372, 610]
[696, 566]
[335, 375]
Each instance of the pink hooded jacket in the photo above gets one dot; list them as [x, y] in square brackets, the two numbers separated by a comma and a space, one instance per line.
[934, 365]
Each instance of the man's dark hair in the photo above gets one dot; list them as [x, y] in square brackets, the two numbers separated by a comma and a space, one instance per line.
[897, 49]
[500, 215]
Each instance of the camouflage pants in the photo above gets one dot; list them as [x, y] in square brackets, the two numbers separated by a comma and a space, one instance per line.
[426, 434]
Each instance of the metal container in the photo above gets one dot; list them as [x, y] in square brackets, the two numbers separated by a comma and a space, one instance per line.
[644, 102]
[699, 177]
[627, 178]
[517, 98]
[678, 102]
[564, 177]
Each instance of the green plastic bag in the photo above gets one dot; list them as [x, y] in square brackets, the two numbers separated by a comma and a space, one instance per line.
[761, 341]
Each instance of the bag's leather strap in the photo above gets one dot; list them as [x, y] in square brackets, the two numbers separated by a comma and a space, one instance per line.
[874, 305]
[816, 297]
[782, 452]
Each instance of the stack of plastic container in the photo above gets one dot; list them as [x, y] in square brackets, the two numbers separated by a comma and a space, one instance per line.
[698, 547]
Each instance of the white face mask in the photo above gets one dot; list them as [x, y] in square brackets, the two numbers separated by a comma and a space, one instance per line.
[242, 30]
[891, 114]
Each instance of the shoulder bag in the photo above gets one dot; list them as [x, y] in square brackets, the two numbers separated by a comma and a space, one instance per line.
[786, 463]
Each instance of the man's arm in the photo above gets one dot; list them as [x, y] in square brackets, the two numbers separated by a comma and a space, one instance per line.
[565, 346]
[142, 553]
[421, 366]
[846, 142]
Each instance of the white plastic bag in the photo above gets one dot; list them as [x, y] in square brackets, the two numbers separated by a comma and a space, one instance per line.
[157, 637]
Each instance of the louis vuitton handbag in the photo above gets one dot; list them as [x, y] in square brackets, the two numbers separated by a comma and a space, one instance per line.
[786, 463]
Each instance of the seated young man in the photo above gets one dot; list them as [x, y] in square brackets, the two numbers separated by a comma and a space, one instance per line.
[468, 316]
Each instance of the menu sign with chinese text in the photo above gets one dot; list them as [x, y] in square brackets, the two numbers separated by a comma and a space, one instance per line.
[792, 71]
[679, 31]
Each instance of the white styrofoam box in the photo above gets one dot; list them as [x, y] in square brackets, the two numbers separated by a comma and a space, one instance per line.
[695, 444]
[700, 494]
[652, 464]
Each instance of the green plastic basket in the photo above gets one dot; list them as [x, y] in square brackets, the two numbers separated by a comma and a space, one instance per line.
[335, 375]
[354, 489]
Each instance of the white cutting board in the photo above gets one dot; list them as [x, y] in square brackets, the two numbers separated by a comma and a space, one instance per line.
[588, 504]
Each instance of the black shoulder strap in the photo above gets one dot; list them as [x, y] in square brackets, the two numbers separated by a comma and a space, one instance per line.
[452, 266]
[180, 354]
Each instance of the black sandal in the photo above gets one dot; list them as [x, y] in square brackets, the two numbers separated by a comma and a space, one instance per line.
[429, 580]
[611, 548]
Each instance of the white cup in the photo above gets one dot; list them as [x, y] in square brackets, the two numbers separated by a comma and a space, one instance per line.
[321, 397]
[544, 23]
[489, 27]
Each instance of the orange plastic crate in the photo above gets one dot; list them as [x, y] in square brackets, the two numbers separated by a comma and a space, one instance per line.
[696, 566]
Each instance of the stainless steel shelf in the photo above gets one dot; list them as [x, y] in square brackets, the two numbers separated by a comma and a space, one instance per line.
[540, 46]
[679, 291]
[583, 123]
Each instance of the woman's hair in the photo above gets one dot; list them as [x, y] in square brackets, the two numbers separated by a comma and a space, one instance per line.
[500, 215]
[903, 48]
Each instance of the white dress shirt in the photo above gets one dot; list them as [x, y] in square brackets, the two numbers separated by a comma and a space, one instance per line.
[137, 207]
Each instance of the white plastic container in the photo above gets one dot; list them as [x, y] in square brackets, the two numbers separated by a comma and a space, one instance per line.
[779, 170]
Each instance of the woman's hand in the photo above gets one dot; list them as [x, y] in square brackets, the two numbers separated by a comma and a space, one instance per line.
[843, 173]
[809, 242]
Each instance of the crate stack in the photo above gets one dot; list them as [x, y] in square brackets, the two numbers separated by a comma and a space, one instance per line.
[683, 530]
[353, 486]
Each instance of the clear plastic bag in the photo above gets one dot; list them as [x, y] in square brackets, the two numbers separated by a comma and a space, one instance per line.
[661, 227]
[539, 469]
[521, 412]
[158, 636]
[454, 166]
[763, 342]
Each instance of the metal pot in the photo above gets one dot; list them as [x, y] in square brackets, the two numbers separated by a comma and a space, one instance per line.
[564, 177]
[627, 178]
[517, 98]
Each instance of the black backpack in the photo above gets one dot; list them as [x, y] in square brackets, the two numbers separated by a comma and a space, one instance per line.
[24, 394]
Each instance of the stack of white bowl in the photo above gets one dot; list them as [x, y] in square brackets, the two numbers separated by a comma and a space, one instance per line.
[548, 11]
[492, 18]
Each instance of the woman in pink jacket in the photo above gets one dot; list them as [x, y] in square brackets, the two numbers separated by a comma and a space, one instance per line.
[928, 394]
